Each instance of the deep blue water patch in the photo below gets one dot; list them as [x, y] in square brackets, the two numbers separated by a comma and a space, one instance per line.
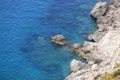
[26, 52]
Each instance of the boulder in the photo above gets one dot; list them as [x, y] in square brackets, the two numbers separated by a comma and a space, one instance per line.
[76, 65]
[58, 37]
[99, 9]
[59, 40]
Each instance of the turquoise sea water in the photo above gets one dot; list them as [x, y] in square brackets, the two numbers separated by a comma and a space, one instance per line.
[26, 52]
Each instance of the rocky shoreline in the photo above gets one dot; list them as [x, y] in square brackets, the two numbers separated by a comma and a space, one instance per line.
[103, 54]
[106, 45]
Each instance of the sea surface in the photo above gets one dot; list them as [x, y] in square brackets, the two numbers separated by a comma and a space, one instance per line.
[26, 52]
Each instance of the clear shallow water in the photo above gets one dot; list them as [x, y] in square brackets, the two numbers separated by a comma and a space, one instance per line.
[26, 52]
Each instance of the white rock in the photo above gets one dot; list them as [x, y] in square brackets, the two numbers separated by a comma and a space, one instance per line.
[94, 66]
[99, 9]
[76, 65]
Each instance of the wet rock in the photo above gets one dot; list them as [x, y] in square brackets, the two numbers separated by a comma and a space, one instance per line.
[76, 46]
[76, 65]
[99, 9]
[59, 40]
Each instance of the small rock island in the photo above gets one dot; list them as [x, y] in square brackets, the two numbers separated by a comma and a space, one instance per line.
[102, 53]
[59, 40]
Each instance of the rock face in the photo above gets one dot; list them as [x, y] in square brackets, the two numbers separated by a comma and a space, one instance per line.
[103, 54]
[110, 42]
[59, 40]
[99, 9]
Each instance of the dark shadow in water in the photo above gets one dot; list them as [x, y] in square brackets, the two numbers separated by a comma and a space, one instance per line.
[32, 37]
[24, 50]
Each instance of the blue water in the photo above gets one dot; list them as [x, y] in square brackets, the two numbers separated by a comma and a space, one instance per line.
[26, 52]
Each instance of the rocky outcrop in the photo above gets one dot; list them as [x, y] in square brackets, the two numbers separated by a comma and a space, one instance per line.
[59, 40]
[99, 9]
[103, 53]
[102, 60]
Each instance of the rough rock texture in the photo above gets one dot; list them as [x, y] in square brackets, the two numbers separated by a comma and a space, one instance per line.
[116, 3]
[106, 55]
[99, 9]
[59, 40]
[76, 65]
[103, 54]
[110, 43]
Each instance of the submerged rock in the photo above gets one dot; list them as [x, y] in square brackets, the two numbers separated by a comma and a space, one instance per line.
[99, 9]
[59, 40]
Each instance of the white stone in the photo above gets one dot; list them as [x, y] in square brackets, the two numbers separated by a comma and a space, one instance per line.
[99, 9]
[76, 65]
